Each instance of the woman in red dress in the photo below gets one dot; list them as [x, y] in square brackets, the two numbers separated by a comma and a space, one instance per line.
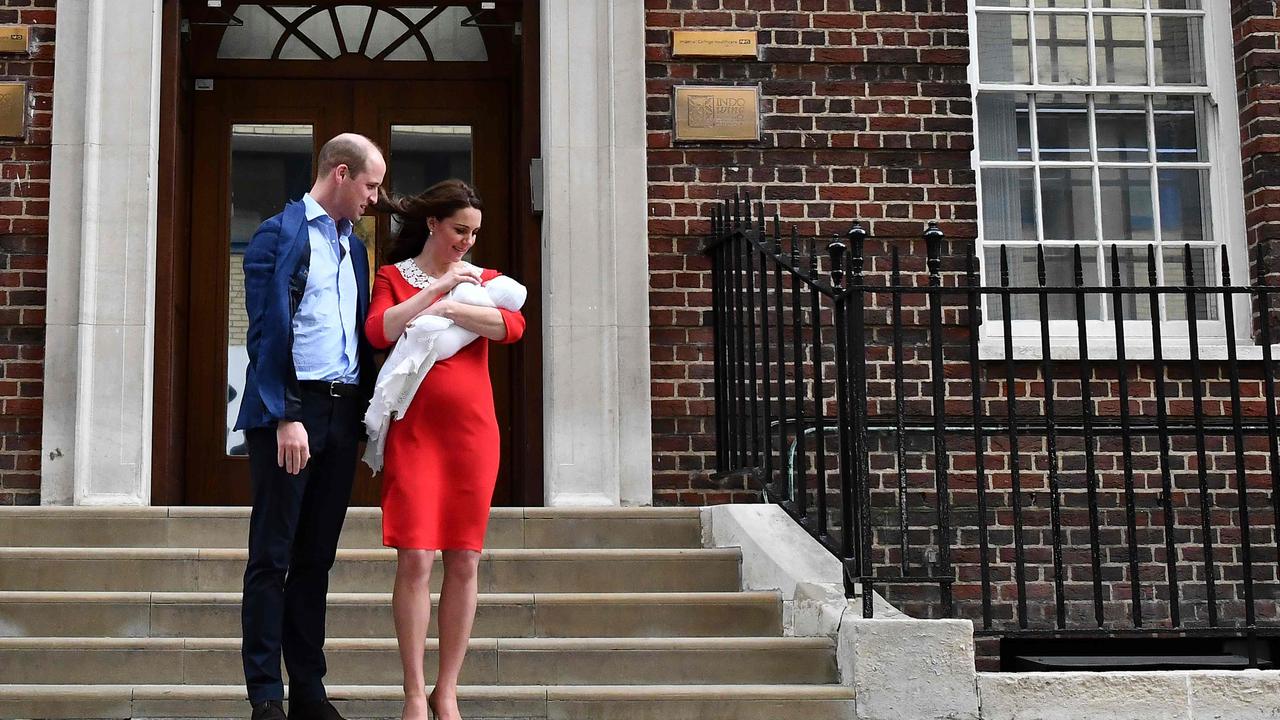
[441, 458]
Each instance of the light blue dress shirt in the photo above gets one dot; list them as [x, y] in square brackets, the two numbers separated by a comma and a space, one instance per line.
[324, 328]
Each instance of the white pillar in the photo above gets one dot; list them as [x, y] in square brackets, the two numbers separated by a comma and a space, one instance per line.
[102, 242]
[595, 254]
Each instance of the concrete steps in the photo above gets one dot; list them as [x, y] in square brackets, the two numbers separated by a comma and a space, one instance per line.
[602, 702]
[368, 615]
[490, 661]
[228, 527]
[583, 614]
[518, 571]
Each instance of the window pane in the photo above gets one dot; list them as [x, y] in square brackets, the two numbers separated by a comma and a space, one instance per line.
[1180, 128]
[423, 155]
[1004, 54]
[1008, 204]
[1122, 128]
[1175, 4]
[1060, 3]
[1066, 199]
[270, 165]
[1120, 43]
[1126, 204]
[1004, 126]
[1203, 272]
[1179, 50]
[1125, 4]
[1059, 270]
[1132, 262]
[1184, 196]
[1002, 3]
[1062, 49]
[1062, 122]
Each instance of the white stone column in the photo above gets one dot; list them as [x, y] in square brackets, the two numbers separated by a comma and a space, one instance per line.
[595, 254]
[102, 242]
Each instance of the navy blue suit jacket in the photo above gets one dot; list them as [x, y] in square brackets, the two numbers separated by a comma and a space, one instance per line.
[275, 275]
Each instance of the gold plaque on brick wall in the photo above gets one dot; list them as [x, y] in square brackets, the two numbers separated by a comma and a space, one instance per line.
[709, 112]
[714, 43]
[13, 109]
[14, 38]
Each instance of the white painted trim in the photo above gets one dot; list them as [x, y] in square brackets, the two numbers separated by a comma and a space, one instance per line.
[96, 447]
[596, 413]
[1226, 185]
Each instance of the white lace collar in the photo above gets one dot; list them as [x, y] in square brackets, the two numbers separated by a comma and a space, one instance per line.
[413, 274]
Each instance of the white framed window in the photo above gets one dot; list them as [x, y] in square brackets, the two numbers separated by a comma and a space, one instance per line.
[1101, 123]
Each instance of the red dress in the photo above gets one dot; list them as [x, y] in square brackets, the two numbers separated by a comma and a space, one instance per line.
[441, 459]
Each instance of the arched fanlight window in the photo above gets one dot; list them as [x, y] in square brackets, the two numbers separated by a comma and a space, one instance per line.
[303, 32]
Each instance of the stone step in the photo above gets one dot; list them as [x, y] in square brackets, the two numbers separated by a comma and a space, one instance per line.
[556, 702]
[227, 527]
[222, 570]
[368, 615]
[490, 661]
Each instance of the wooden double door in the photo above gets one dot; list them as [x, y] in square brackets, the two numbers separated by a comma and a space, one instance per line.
[254, 149]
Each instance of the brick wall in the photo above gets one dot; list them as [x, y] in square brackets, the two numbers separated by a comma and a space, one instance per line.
[1257, 39]
[865, 114]
[24, 212]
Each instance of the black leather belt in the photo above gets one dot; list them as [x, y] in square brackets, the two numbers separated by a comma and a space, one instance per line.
[332, 389]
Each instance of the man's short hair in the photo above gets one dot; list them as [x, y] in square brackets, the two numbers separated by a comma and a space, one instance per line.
[350, 150]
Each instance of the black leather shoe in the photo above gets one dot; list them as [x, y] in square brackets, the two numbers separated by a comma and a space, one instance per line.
[269, 710]
[322, 710]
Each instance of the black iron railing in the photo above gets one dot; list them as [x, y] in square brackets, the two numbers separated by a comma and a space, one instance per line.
[1120, 478]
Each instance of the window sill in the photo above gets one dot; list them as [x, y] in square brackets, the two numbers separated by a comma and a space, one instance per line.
[1213, 348]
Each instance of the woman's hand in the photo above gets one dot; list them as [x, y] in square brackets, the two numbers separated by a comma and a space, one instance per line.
[459, 272]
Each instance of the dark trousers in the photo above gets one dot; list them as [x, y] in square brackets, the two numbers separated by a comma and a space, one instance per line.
[293, 540]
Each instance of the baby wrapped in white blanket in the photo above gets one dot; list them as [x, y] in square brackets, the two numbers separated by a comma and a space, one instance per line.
[427, 339]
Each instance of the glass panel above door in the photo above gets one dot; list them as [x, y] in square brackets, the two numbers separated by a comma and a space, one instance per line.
[371, 30]
[270, 165]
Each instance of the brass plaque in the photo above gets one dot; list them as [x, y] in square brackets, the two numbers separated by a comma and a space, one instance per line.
[714, 43]
[706, 112]
[14, 38]
[13, 109]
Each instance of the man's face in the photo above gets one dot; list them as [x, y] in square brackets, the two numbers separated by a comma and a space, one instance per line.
[357, 193]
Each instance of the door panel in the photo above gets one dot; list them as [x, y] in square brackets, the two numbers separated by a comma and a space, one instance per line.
[430, 132]
[254, 151]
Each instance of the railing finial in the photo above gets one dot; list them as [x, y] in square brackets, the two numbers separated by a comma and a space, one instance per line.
[933, 236]
[836, 249]
[858, 244]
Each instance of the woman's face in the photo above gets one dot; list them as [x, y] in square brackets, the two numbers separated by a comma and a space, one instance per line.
[453, 236]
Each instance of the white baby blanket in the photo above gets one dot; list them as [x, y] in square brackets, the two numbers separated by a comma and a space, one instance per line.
[427, 339]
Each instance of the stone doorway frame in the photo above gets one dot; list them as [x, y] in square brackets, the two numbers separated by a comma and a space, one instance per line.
[100, 365]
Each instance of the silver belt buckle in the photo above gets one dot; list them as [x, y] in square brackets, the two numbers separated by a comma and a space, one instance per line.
[333, 389]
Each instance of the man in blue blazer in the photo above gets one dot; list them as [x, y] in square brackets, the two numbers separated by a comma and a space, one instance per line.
[307, 386]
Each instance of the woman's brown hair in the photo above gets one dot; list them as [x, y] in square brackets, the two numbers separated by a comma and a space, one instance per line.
[438, 201]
